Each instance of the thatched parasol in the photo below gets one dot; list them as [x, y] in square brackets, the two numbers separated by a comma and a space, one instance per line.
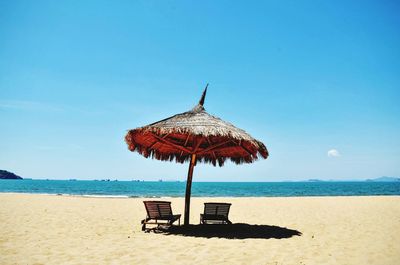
[195, 136]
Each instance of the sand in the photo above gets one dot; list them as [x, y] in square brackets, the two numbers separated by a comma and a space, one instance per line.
[46, 229]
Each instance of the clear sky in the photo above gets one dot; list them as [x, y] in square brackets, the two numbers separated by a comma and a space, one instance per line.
[317, 81]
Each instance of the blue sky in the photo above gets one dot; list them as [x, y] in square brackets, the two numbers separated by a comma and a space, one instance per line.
[304, 77]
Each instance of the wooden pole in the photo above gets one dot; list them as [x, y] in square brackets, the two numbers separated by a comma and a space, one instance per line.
[191, 167]
[189, 189]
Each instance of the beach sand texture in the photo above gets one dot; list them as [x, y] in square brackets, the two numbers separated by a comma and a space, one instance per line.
[46, 229]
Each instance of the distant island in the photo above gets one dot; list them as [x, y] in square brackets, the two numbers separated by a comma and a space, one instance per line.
[4, 174]
[380, 179]
[384, 179]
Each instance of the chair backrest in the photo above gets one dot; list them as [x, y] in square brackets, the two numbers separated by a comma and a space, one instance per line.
[157, 209]
[216, 208]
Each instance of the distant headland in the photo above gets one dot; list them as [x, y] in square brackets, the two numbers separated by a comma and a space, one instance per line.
[380, 179]
[384, 179]
[4, 174]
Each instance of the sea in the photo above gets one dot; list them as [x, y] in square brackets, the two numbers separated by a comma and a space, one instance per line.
[148, 189]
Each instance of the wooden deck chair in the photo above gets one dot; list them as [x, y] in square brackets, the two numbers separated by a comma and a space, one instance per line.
[159, 211]
[215, 212]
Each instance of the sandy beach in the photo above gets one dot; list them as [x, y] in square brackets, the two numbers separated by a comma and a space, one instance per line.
[46, 229]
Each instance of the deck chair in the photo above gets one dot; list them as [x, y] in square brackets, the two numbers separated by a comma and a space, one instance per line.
[215, 212]
[159, 211]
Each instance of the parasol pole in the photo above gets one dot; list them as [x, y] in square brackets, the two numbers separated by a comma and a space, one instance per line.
[191, 167]
[189, 188]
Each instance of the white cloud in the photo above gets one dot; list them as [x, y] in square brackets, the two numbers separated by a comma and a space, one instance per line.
[333, 153]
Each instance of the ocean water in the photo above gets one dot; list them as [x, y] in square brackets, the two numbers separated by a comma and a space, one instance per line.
[199, 189]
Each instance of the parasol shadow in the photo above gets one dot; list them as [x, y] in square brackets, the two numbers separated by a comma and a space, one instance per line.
[233, 231]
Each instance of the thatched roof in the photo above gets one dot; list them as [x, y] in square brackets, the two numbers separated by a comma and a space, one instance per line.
[210, 138]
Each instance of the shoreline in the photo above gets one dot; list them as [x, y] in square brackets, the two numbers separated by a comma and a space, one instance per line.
[182, 197]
